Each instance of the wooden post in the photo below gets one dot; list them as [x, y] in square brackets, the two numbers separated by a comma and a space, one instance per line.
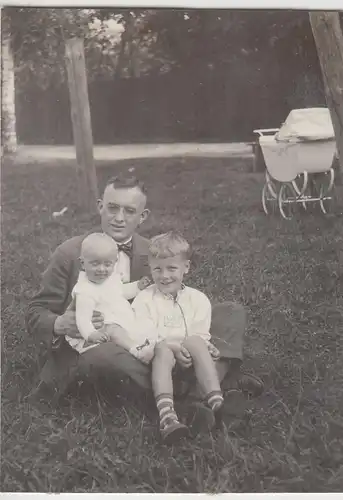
[329, 42]
[82, 128]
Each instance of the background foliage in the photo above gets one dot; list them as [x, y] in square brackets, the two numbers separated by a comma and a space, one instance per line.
[197, 72]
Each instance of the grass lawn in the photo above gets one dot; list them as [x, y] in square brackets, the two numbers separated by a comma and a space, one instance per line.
[287, 273]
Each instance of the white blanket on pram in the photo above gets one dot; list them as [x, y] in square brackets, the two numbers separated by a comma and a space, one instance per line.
[309, 124]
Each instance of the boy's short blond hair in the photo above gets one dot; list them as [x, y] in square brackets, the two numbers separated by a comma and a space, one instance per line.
[94, 240]
[169, 244]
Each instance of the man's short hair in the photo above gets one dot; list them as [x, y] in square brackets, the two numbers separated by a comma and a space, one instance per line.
[169, 244]
[123, 181]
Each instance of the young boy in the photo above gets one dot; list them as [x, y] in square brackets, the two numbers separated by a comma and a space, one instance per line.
[99, 287]
[179, 319]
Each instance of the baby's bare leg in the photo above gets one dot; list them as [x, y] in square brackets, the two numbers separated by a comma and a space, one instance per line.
[119, 335]
[205, 369]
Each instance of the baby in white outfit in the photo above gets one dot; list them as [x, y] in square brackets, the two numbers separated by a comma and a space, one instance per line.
[99, 287]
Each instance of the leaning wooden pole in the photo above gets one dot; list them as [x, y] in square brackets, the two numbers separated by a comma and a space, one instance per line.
[81, 122]
[328, 37]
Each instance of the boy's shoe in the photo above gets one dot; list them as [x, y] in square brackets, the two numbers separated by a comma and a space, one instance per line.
[172, 431]
[200, 418]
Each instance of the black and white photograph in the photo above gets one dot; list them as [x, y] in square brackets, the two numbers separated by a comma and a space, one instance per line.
[172, 250]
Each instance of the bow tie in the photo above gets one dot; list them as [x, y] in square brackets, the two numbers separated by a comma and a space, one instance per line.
[126, 248]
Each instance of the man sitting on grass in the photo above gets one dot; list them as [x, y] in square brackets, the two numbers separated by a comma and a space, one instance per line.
[50, 318]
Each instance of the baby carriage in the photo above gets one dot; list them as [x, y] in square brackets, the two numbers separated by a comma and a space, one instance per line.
[298, 157]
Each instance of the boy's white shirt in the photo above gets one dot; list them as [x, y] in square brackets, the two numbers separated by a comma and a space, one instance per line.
[173, 319]
[110, 298]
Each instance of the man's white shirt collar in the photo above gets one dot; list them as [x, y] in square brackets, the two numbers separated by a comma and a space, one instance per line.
[124, 242]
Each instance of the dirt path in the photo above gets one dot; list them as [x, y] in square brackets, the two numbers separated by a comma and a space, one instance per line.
[121, 152]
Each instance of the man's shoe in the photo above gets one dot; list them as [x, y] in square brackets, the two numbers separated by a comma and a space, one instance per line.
[245, 382]
[173, 431]
[200, 418]
[250, 384]
[234, 407]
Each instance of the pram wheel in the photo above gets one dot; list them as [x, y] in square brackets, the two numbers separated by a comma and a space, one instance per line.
[268, 200]
[326, 203]
[300, 185]
[327, 192]
[321, 189]
[269, 195]
[327, 200]
[287, 200]
[271, 186]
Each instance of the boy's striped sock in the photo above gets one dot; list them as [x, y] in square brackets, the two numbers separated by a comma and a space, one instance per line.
[215, 400]
[165, 407]
[170, 428]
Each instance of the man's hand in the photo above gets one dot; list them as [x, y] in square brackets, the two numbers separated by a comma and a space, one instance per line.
[98, 320]
[97, 337]
[144, 283]
[183, 357]
[66, 324]
[215, 353]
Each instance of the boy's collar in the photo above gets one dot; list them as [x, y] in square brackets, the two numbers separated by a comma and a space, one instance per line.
[169, 296]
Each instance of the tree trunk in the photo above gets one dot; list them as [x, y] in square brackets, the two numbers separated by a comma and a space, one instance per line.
[82, 126]
[126, 43]
[132, 59]
[329, 42]
[8, 121]
[121, 56]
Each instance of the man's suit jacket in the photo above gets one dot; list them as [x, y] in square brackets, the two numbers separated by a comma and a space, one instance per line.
[59, 279]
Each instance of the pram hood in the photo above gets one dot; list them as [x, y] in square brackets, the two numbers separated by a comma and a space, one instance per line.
[308, 124]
